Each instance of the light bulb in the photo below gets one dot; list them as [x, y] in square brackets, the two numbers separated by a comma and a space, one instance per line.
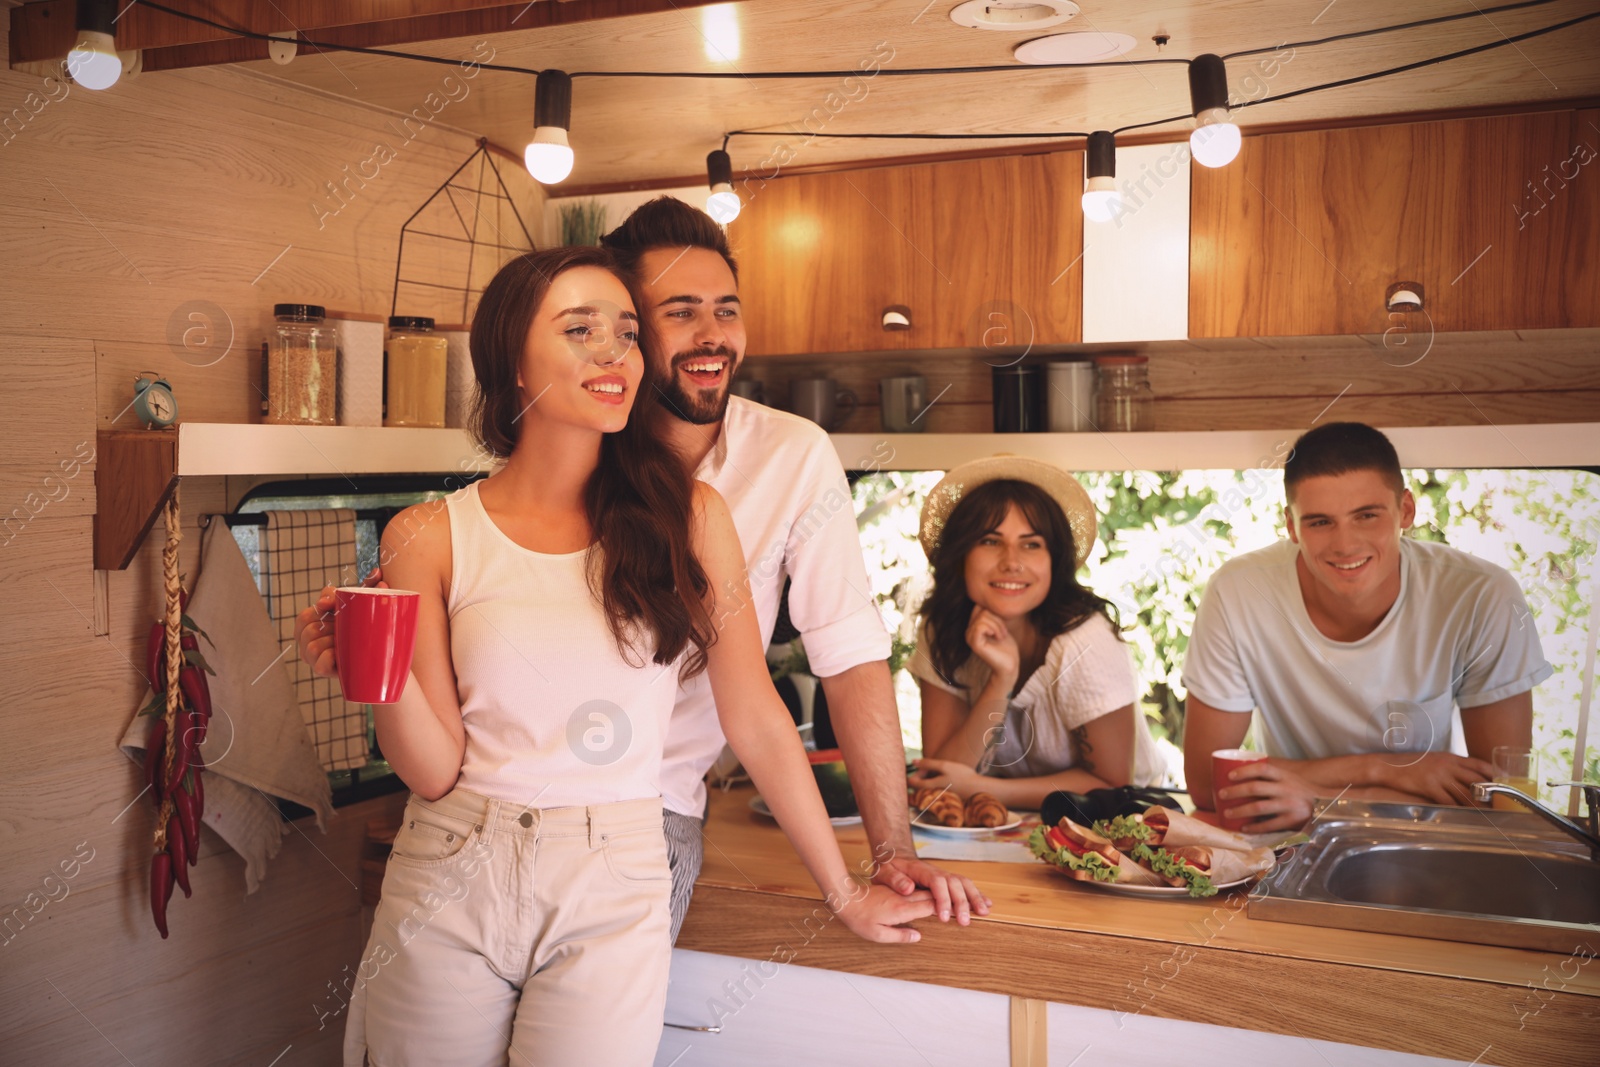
[548, 157]
[1101, 201]
[93, 62]
[1215, 142]
[719, 25]
[723, 203]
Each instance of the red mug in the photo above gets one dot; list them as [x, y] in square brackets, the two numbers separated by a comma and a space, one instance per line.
[1223, 762]
[375, 631]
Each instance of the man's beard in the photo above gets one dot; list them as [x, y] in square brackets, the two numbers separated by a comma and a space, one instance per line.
[702, 407]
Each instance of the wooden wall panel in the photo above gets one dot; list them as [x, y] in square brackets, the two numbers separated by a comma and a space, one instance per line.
[118, 210]
[1497, 218]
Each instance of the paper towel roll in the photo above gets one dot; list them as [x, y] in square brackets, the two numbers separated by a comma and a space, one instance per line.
[459, 380]
[360, 372]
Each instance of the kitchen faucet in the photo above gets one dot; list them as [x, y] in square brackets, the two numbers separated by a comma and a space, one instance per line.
[1587, 832]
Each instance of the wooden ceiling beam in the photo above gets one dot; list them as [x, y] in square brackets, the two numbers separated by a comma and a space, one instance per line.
[45, 31]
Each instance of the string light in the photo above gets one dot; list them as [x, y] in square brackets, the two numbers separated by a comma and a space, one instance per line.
[1101, 201]
[93, 62]
[1215, 141]
[548, 156]
[723, 203]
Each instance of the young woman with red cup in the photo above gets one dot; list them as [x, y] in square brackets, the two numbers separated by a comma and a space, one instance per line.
[525, 904]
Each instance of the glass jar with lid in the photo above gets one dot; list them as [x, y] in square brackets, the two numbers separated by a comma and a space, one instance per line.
[300, 374]
[414, 368]
[1124, 401]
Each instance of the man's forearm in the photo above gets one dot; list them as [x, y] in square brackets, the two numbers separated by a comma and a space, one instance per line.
[867, 723]
[1338, 772]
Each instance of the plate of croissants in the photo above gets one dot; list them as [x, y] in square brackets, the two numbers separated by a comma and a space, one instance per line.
[942, 811]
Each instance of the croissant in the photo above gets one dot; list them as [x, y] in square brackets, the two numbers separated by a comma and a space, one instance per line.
[938, 806]
[984, 810]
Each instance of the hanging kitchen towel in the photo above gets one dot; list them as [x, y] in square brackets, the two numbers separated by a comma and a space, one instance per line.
[257, 746]
[302, 551]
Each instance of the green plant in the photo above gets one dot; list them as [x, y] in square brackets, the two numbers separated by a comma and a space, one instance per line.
[582, 222]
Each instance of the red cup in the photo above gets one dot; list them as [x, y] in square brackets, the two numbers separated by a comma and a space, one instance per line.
[374, 633]
[1223, 762]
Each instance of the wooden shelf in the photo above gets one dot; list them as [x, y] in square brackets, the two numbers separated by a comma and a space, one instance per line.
[1542, 445]
[138, 469]
[211, 448]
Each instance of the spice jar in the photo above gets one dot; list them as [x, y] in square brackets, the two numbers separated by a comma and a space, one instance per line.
[415, 364]
[300, 374]
[1124, 401]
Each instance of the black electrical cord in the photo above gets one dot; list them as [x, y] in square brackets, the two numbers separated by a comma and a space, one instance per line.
[1502, 43]
[995, 68]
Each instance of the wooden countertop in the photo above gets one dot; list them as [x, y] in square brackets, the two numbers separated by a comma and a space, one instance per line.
[1201, 960]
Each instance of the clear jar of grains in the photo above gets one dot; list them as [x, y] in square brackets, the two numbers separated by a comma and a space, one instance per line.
[414, 368]
[1124, 401]
[300, 377]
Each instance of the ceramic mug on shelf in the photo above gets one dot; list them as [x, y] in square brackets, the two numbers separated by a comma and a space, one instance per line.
[902, 402]
[822, 400]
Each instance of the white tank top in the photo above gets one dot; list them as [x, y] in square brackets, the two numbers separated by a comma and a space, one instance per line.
[554, 715]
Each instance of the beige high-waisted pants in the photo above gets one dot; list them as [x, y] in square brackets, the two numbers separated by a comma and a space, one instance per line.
[513, 935]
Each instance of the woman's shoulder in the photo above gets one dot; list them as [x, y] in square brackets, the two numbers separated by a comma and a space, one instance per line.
[416, 542]
[1093, 633]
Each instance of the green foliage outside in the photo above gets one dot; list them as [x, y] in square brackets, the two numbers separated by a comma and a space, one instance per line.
[1162, 534]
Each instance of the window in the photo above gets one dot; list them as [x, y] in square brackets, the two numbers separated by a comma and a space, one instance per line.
[1163, 533]
[376, 500]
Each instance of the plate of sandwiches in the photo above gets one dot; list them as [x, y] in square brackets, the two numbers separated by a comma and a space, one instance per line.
[942, 812]
[1160, 853]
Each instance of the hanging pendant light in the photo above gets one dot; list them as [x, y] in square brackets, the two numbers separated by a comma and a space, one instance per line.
[93, 62]
[1101, 201]
[723, 204]
[548, 156]
[1215, 141]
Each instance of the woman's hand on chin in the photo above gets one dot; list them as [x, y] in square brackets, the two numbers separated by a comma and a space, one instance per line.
[991, 641]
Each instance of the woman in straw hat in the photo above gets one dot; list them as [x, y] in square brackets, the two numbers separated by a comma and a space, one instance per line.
[1027, 686]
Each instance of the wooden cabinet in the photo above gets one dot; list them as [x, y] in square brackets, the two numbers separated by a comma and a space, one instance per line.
[1497, 218]
[1007, 240]
[980, 252]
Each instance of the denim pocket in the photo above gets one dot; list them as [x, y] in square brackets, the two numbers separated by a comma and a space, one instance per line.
[429, 837]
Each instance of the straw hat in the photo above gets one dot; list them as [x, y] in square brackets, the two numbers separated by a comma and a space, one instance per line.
[1047, 476]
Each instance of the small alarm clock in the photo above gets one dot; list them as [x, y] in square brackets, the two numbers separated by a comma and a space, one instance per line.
[153, 401]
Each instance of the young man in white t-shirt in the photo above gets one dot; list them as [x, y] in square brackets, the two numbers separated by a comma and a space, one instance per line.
[1356, 645]
[792, 508]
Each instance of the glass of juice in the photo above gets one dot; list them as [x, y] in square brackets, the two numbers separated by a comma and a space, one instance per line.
[1518, 768]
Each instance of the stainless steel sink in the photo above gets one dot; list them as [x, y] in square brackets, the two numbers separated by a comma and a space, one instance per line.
[1489, 877]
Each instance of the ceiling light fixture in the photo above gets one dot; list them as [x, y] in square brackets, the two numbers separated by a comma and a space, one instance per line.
[1215, 141]
[93, 62]
[1082, 46]
[1012, 15]
[1101, 201]
[548, 156]
[719, 25]
[723, 203]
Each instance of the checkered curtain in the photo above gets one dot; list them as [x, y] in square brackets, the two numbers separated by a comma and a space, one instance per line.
[303, 551]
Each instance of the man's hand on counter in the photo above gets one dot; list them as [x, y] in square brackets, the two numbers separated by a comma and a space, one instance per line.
[952, 893]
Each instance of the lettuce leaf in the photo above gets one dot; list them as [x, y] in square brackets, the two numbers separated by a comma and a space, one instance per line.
[1124, 826]
[1165, 863]
[1092, 862]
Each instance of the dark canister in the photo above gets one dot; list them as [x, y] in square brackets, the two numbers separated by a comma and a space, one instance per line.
[1018, 399]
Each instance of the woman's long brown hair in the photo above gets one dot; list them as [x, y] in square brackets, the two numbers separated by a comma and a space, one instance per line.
[640, 496]
[948, 609]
